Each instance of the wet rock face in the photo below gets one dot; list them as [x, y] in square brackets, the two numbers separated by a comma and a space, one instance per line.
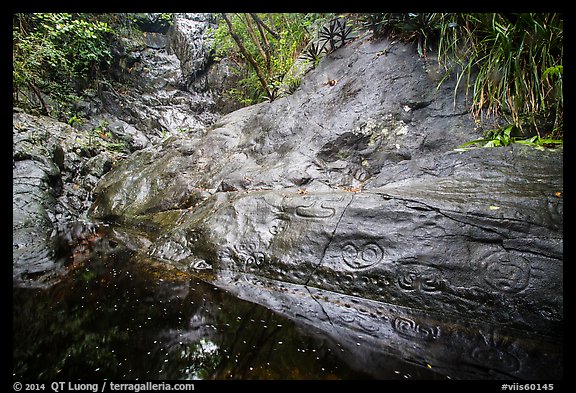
[56, 165]
[31, 225]
[354, 187]
[189, 41]
[55, 168]
[156, 70]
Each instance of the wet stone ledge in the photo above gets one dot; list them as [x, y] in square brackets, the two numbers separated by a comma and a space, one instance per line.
[342, 189]
[379, 248]
[453, 346]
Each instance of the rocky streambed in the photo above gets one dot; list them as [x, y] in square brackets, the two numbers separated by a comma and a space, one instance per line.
[347, 208]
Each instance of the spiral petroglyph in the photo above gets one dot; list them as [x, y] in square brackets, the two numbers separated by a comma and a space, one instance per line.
[410, 328]
[362, 257]
[420, 278]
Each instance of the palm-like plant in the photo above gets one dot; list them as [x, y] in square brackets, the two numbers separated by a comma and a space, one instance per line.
[336, 33]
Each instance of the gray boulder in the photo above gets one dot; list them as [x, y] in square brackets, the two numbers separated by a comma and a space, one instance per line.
[188, 39]
[55, 168]
[352, 185]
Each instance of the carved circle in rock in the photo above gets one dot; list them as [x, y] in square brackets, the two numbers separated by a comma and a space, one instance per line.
[255, 259]
[506, 272]
[365, 323]
[200, 264]
[362, 257]
[248, 256]
[347, 316]
[278, 225]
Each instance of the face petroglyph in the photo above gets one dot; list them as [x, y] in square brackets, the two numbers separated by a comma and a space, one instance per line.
[362, 257]
[506, 272]
[420, 278]
[245, 256]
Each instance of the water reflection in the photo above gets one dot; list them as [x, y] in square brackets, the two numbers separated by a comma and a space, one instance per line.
[375, 334]
[117, 315]
[121, 315]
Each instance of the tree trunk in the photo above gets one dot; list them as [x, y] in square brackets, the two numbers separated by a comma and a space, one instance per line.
[263, 52]
[261, 23]
[248, 56]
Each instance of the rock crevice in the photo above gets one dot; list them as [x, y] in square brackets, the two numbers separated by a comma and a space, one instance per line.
[356, 188]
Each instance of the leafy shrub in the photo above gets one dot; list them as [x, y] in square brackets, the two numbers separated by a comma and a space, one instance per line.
[313, 52]
[511, 64]
[335, 33]
[265, 48]
[54, 51]
[505, 137]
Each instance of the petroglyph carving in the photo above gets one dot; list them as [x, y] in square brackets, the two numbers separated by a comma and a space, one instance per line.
[200, 264]
[362, 257]
[420, 278]
[316, 206]
[255, 259]
[507, 272]
[364, 322]
[244, 256]
[409, 328]
[348, 317]
[316, 209]
[278, 225]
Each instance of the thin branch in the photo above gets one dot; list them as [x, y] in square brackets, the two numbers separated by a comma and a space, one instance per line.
[34, 88]
[248, 56]
[268, 29]
[263, 53]
[268, 55]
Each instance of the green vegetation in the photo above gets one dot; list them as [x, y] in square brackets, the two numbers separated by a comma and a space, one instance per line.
[517, 62]
[58, 53]
[103, 139]
[143, 21]
[421, 28]
[506, 136]
[265, 47]
[511, 64]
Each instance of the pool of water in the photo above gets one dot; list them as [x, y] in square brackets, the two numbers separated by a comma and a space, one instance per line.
[117, 315]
